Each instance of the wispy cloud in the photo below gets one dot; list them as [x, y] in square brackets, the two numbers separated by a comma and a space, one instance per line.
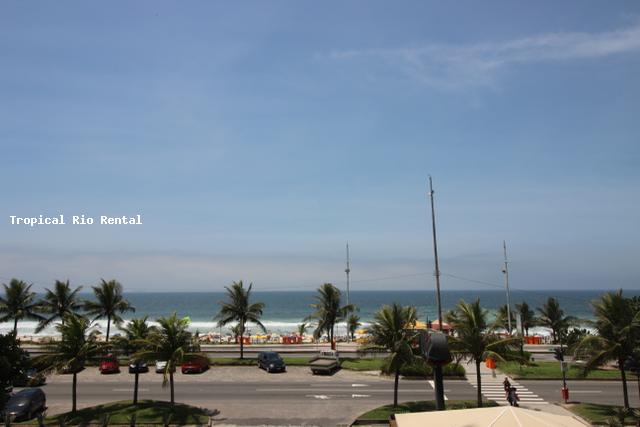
[455, 66]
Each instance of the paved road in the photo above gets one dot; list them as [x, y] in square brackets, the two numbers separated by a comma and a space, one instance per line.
[251, 396]
[607, 392]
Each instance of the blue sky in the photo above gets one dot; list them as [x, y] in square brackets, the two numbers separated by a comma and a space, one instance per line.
[257, 138]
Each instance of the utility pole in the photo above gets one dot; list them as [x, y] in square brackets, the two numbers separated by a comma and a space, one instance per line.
[505, 270]
[437, 369]
[435, 254]
[348, 270]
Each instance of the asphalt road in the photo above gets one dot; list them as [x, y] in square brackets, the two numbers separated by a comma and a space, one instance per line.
[246, 395]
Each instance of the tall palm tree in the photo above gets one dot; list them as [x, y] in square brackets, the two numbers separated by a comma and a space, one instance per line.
[78, 344]
[527, 318]
[136, 332]
[171, 342]
[618, 326]
[328, 311]
[475, 338]
[18, 303]
[109, 303]
[553, 317]
[501, 321]
[58, 303]
[239, 309]
[391, 330]
[353, 322]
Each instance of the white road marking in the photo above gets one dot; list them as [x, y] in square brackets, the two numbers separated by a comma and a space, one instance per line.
[359, 385]
[433, 386]
[586, 391]
[318, 396]
[130, 389]
[354, 396]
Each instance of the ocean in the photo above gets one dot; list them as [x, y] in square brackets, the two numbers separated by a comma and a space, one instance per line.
[285, 310]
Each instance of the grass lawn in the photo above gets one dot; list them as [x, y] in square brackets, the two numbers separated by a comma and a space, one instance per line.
[234, 361]
[384, 412]
[598, 414]
[551, 371]
[362, 364]
[147, 412]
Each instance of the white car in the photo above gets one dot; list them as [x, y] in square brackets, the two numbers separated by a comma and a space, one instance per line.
[161, 365]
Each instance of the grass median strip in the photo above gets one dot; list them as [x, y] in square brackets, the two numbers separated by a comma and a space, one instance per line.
[601, 414]
[384, 412]
[551, 371]
[146, 412]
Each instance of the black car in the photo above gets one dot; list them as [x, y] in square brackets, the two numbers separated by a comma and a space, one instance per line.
[138, 368]
[25, 404]
[271, 361]
[30, 378]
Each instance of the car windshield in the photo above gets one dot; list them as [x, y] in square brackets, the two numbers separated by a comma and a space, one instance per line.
[273, 356]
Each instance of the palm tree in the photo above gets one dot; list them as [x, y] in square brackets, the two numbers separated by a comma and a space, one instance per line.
[553, 317]
[391, 330]
[527, 318]
[501, 318]
[78, 344]
[110, 303]
[302, 329]
[618, 326]
[135, 334]
[239, 309]
[171, 342]
[18, 303]
[475, 339]
[328, 311]
[353, 322]
[58, 303]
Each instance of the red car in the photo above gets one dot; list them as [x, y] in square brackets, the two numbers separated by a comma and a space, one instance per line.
[109, 366]
[195, 366]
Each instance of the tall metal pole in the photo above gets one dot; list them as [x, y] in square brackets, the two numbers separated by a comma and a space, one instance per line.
[437, 369]
[435, 254]
[348, 270]
[506, 284]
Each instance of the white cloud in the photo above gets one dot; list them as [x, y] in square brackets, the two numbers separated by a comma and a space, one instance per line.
[455, 66]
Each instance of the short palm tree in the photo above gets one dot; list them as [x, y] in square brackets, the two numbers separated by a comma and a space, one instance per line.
[136, 332]
[527, 318]
[109, 303]
[171, 342]
[18, 303]
[328, 311]
[391, 330]
[302, 329]
[502, 321]
[553, 317]
[58, 303]
[618, 326]
[353, 323]
[78, 344]
[475, 338]
[238, 308]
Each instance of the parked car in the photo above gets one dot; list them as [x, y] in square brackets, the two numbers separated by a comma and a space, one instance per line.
[25, 404]
[195, 366]
[271, 361]
[109, 365]
[138, 368]
[30, 378]
[161, 365]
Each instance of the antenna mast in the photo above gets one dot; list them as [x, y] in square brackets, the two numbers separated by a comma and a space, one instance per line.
[348, 270]
[505, 270]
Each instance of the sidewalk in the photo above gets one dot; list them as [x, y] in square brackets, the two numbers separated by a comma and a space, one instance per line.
[492, 389]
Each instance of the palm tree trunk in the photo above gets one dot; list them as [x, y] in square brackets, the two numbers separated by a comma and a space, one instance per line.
[625, 393]
[135, 387]
[108, 326]
[395, 387]
[73, 392]
[15, 326]
[242, 342]
[333, 344]
[479, 384]
[172, 392]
